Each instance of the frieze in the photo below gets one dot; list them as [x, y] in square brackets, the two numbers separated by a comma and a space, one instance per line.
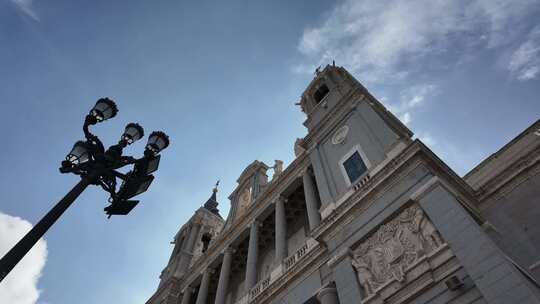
[394, 248]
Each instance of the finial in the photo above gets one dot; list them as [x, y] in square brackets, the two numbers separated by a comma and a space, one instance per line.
[211, 204]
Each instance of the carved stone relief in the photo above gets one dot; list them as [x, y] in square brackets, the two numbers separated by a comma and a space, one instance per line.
[393, 248]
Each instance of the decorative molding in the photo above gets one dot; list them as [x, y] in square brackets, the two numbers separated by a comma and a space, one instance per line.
[510, 177]
[328, 288]
[340, 135]
[425, 189]
[338, 257]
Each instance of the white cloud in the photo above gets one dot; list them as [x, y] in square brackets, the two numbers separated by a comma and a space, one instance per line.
[427, 139]
[377, 38]
[20, 286]
[525, 60]
[26, 6]
[411, 100]
[405, 118]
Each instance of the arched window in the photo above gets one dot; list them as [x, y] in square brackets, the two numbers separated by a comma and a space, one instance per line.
[206, 238]
[320, 93]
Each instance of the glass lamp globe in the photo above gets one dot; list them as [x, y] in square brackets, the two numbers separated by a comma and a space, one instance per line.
[104, 109]
[157, 141]
[132, 133]
[79, 154]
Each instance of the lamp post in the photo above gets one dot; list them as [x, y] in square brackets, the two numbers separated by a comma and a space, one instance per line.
[97, 166]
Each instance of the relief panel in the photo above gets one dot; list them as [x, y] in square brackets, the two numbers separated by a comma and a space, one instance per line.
[395, 249]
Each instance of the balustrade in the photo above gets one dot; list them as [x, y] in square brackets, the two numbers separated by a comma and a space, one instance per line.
[281, 270]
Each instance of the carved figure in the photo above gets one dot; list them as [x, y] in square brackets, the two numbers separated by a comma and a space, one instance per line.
[393, 248]
[426, 230]
[299, 147]
[364, 275]
[278, 167]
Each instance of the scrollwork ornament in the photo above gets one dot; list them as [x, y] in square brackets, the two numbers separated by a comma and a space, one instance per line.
[396, 245]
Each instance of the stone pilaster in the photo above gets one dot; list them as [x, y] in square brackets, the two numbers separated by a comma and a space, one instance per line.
[187, 252]
[310, 194]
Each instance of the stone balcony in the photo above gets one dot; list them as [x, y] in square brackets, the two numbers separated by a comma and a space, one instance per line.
[286, 265]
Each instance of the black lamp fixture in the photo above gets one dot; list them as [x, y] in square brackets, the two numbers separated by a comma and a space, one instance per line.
[132, 133]
[157, 141]
[104, 109]
[79, 154]
[98, 166]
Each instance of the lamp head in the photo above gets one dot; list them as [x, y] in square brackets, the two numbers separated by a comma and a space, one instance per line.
[104, 109]
[132, 133]
[157, 142]
[79, 154]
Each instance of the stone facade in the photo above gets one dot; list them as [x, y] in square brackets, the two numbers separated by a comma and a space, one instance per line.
[365, 214]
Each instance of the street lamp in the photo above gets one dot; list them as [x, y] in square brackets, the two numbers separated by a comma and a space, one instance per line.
[97, 166]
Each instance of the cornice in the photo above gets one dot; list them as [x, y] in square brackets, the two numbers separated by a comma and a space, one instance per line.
[168, 286]
[508, 178]
[532, 128]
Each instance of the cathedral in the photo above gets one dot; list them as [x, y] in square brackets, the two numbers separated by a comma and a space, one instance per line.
[365, 214]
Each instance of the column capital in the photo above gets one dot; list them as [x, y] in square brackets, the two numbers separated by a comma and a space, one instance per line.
[209, 270]
[188, 289]
[308, 170]
[255, 222]
[313, 147]
[229, 249]
[329, 288]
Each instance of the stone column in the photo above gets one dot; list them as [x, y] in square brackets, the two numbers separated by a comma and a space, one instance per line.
[328, 295]
[186, 299]
[281, 230]
[187, 252]
[225, 273]
[203, 289]
[253, 252]
[310, 194]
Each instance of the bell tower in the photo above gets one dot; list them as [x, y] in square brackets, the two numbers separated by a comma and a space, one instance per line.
[350, 133]
[193, 239]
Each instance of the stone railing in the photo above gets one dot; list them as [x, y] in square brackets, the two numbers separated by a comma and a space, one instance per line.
[279, 271]
[290, 261]
[259, 287]
[364, 180]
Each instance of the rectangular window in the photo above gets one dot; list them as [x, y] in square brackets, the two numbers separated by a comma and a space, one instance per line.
[354, 166]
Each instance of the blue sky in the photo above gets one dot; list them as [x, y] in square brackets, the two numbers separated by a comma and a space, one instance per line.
[221, 78]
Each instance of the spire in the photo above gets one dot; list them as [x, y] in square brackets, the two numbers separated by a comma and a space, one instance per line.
[211, 204]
